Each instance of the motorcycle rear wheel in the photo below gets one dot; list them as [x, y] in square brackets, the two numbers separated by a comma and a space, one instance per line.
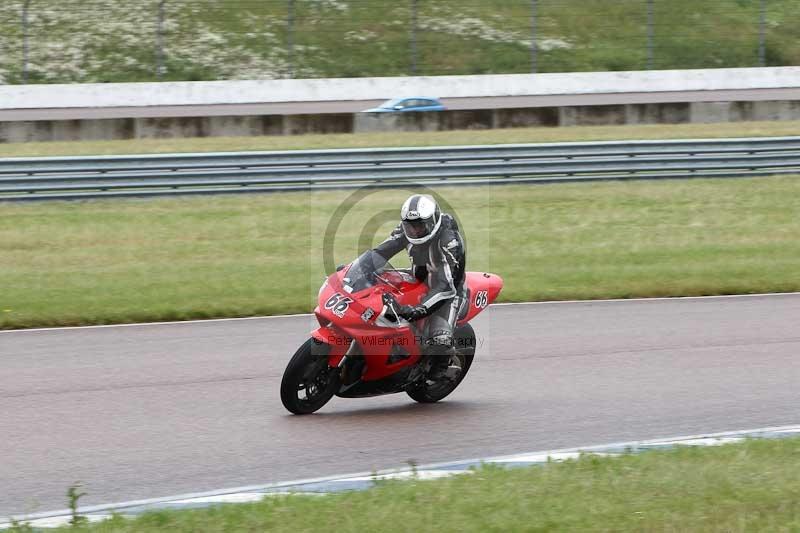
[430, 391]
[308, 382]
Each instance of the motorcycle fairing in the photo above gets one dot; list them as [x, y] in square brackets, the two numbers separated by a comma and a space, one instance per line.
[345, 315]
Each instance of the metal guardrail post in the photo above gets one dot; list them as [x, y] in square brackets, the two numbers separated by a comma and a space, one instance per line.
[650, 34]
[534, 46]
[412, 44]
[290, 37]
[25, 40]
[762, 34]
[160, 67]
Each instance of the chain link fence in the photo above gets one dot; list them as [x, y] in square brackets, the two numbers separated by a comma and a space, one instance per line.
[42, 41]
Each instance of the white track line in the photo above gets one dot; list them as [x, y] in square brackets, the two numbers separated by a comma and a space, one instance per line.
[654, 299]
[504, 304]
[146, 324]
[231, 493]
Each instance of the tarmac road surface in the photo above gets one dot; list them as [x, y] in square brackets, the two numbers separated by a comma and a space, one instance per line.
[154, 410]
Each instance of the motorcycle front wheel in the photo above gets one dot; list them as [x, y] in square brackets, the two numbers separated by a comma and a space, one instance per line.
[308, 382]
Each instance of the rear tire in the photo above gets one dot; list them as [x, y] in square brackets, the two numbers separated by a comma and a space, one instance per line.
[432, 391]
[308, 382]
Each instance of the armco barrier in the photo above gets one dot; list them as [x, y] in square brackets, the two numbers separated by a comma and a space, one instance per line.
[243, 172]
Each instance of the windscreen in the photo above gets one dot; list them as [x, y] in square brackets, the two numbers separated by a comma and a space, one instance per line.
[389, 104]
[361, 273]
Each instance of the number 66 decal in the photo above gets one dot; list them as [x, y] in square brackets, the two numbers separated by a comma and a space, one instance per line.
[481, 299]
[338, 304]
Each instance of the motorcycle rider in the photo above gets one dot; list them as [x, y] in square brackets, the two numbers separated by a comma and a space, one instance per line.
[437, 254]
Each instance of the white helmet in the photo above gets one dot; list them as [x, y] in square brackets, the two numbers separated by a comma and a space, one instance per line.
[420, 218]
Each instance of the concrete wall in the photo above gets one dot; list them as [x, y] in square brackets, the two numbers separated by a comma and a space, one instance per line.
[348, 89]
[172, 128]
[163, 128]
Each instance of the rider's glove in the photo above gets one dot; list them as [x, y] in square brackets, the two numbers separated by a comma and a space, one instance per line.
[408, 312]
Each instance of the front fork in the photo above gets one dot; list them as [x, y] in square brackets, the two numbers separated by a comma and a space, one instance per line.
[351, 366]
[352, 350]
[344, 359]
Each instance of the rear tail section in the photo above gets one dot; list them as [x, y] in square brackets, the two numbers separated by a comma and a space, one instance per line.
[482, 290]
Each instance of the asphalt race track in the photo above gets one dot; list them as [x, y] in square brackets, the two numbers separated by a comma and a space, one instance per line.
[146, 411]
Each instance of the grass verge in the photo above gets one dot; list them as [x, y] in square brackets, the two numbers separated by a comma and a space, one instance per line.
[389, 139]
[114, 261]
[750, 486]
[99, 41]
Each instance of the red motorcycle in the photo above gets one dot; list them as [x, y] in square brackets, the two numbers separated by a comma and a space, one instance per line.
[362, 348]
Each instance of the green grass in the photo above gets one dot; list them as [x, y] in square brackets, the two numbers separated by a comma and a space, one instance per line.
[377, 140]
[140, 260]
[750, 486]
[97, 40]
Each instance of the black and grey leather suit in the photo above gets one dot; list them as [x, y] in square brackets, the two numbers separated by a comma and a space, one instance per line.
[440, 263]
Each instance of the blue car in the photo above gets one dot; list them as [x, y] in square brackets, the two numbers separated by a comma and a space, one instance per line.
[406, 105]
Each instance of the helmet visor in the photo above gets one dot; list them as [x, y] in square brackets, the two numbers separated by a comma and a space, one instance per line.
[416, 229]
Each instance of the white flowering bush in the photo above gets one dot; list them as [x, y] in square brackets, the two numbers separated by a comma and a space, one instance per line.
[467, 26]
[10, 40]
[116, 40]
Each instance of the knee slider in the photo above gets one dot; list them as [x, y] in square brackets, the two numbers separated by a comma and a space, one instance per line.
[441, 342]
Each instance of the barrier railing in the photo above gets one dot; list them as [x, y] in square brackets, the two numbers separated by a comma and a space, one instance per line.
[242, 172]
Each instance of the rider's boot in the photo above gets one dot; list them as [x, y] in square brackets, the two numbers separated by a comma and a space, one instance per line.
[440, 351]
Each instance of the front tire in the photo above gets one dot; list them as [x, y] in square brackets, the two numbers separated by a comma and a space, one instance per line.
[308, 382]
[429, 391]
